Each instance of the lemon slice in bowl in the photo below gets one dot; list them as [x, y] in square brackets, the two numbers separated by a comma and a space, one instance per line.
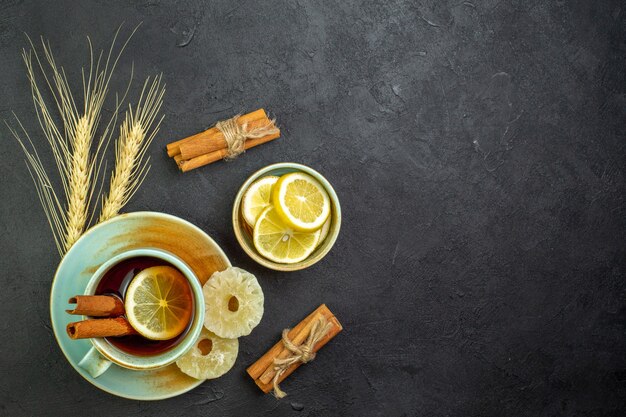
[279, 242]
[159, 303]
[257, 197]
[301, 201]
[324, 231]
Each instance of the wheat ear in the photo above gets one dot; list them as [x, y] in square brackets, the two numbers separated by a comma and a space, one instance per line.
[71, 142]
[136, 133]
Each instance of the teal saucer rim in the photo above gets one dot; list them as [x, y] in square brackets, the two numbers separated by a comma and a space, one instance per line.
[54, 283]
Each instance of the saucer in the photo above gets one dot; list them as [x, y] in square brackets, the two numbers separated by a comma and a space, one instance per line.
[102, 242]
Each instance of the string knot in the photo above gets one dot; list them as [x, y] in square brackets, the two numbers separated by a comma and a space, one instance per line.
[306, 355]
[299, 353]
[236, 134]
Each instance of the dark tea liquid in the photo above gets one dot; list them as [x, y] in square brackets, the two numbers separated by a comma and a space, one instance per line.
[115, 282]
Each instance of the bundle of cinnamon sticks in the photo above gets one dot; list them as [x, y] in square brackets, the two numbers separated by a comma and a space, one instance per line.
[264, 369]
[215, 143]
[98, 306]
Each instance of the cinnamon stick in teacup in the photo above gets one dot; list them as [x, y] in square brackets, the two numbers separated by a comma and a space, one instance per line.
[97, 305]
[110, 327]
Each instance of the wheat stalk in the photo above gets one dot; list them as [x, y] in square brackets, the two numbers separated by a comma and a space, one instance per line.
[71, 142]
[79, 182]
[136, 133]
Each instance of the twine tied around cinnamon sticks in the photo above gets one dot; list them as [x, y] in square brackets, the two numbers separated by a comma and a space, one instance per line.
[265, 368]
[225, 140]
[303, 353]
[236, 134]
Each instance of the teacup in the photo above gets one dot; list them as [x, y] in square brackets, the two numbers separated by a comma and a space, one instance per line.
[100, 357]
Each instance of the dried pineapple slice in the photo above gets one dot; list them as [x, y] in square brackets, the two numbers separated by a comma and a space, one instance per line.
[234, 303]
[210, 357]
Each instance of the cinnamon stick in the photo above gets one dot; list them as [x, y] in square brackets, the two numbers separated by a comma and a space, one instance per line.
[197, 162]
[262, 371]
[179, 160]
[207, 137]
[213, 139]
[97, 305]
[110, 327]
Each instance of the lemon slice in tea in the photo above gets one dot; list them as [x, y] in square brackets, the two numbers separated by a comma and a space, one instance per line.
[279, 242]
[159, 303]
[257, 197]
[301, 201]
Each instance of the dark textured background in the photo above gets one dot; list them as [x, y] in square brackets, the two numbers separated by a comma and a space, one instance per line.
[478, 150]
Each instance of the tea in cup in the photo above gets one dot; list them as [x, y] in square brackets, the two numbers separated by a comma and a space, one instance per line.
[164, 308]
